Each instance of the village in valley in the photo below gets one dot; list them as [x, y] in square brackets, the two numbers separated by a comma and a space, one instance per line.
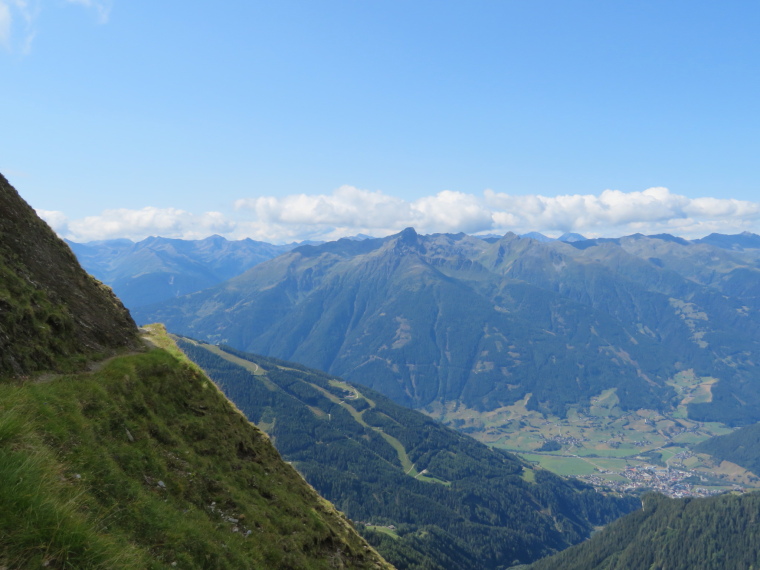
[670, 482]
[611, 448]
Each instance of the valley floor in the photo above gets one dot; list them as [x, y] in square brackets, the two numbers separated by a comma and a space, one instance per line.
[612, 448]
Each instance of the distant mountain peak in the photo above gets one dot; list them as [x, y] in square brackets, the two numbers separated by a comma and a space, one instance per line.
[509, 236]
[669, 237]
[570, 237]
[408, 233]
[409, 239]
[736, 242]
[359, 237]
[537, 236]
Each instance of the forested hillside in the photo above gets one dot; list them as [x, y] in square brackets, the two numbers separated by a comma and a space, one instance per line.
[451, 502]
[432, 320]
[717, 533]
[741, 447]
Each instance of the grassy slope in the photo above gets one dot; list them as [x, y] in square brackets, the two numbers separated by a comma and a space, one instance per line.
[144, 464]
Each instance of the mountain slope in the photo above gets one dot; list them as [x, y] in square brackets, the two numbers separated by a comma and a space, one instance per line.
[429, 320]
[737, 242]
[741, 447]
[51, 311]
[452, 502]
[156, 268]
[140, 462]
[144, 464]
[717, 533]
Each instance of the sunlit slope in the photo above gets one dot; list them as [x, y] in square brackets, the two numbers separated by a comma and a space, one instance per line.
[144, 464]
[451, 501]
[433, 319]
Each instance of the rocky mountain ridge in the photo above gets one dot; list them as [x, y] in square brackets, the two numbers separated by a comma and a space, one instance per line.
[430, 320]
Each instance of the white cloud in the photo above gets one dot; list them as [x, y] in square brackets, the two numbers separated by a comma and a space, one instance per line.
[56, 220]
[368, 211]
[613, 212]
[5, 25]
[450, 211]
[18, 20]
[102, 8]
[723, 208]
[17, 24]
[138, 224]
[349, 211]
[347, 205]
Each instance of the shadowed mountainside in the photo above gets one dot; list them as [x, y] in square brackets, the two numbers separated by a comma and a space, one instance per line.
[51, 310]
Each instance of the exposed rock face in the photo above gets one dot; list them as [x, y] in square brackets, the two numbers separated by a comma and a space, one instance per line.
[51, 310]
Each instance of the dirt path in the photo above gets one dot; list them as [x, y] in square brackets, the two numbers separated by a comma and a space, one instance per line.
[95, 366]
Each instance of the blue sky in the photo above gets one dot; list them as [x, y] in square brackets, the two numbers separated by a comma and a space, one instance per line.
[314, 119]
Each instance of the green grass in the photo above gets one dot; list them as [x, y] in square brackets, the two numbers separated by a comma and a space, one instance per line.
[252, 367]
[528, 475]
[142, 465]
[41, 518]
[687, 438]
[403, 456]
[568, 466]
[385, 530]
[620, 452]
[716, 428]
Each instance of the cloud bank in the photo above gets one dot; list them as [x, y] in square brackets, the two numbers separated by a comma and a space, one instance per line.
[349, 211]
[138, 224]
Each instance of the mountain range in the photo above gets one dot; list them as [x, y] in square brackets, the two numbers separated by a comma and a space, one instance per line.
[741, 447]
[157, 268]
[452, 320]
